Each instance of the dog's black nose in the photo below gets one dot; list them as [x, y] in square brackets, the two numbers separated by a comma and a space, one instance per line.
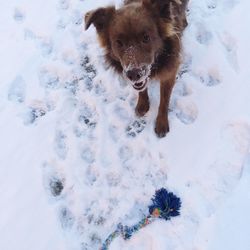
[134, 74]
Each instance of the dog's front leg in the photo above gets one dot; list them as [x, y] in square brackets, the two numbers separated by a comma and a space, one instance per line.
[162, 126]
[142, 106]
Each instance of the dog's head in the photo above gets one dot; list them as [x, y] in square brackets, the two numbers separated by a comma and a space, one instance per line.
[134, 34]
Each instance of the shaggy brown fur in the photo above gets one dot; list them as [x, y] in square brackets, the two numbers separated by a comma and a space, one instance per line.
[142, 41]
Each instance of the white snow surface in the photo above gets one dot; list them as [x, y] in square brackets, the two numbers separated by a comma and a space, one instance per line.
[75, 160]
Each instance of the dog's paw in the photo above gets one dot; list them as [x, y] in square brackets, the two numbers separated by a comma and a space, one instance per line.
[141, 109]
[161, 127]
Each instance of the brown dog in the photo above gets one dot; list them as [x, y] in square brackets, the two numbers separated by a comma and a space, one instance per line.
[142, 41]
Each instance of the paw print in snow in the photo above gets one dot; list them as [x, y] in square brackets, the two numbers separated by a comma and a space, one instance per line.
[56, 186]
[211, 79]
[46, 46]
[66, 218]
[64, 4]
[88, 155]
[19, 15]
[76, 17]
[48, 78]
[203, 35]
[90, 72]
[33, 114]
[16, 92]
[135, 128]
[187, 111]
[61, 145]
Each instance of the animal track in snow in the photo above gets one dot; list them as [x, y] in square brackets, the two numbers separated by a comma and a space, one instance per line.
[211, 79]
[113, 179]
[212, 4]
[203, 35]
[186, 110]
[125, 153]
[69, 57]
[76, 17]
[89, 72]
[66, 218]
[45, 45]
[135, 128]
[87, 117]
[185, 66]
[56, 186]
[48, 78]
[182, 88]
[53, 181]
[35, 111]
[88, 155]
[92, 174]
[19, 15]
[230, 46]
[238, 135]
[61, 145]
[64, 4]
[17, 89]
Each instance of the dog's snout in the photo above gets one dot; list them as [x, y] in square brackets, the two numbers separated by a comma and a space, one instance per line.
[134, 74]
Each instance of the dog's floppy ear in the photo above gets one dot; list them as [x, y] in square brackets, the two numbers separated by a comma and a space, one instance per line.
[99, 17]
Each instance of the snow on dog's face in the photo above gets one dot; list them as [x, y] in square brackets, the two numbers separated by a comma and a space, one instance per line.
[132, 37]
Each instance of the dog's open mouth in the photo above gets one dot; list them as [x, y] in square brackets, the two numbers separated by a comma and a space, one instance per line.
[140, 86]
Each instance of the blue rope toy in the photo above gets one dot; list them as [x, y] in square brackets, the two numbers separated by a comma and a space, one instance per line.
[164, 206]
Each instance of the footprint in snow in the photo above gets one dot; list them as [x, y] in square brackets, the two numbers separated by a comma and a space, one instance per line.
[212, 4]
[64, 4]
[203, 35]
[35, 111]
[238, 135]
[88, 155]
[76, 17]
[87, 119]
[60, 145]
[56, 186]
[89, 73]
[182, 88]
[69, 57]
[53, 182]
[186, 110]
[230, 46]
[48, 78]
[125, 153]
[45, 45]
[135, 128]
[62, 23]
[211, 79]
[17, 89]
[113, 179]
[185, 67]
[66, 218]
[19, 15]
[92, 174]
[88, 67]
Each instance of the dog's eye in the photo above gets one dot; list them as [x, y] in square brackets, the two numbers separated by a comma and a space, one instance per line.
[146, 38]
[119, 43]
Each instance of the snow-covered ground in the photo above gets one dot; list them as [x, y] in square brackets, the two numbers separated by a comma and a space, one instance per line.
[75, 160]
